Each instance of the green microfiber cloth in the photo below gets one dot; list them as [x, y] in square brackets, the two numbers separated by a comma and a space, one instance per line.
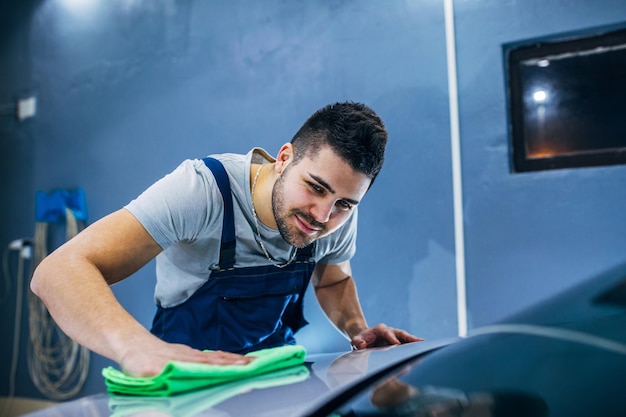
[178, 377]
[192, 403]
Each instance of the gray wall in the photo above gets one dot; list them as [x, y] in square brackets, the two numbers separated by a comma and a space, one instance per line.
[128, 89]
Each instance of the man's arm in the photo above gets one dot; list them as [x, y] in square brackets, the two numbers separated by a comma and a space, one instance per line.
[73, 282]
[337, 294]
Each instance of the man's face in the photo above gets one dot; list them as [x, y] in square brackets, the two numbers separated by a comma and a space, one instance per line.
[315, 196]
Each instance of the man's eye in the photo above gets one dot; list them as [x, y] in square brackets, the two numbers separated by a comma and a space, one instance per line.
[316, 188]
[344, 205]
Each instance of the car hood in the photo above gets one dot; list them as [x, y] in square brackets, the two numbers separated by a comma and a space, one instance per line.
[296, 391]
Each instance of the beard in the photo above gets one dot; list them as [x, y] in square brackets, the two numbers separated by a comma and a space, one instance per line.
[292, 234]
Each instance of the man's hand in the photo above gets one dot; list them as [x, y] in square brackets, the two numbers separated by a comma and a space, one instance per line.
[151, 361]
[382, 335]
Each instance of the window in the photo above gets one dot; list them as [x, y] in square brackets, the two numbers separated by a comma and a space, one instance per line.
[567, 100]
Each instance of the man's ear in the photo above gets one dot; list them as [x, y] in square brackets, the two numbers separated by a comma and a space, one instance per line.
[285, 157]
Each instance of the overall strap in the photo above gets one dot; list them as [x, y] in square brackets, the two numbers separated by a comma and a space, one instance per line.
[227, 249]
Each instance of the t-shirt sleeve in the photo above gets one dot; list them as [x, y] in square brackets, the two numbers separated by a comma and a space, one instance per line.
[179, 206]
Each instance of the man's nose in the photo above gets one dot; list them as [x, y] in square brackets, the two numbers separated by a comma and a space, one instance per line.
[322, 210]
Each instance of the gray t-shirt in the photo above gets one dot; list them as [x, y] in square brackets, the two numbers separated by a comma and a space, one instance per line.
[183, 213]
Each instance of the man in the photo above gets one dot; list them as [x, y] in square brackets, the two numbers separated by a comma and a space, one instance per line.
[237, 239]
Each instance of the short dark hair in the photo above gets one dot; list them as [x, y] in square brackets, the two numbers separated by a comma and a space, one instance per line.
[352, 130]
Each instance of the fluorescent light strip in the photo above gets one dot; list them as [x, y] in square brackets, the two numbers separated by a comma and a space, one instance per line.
[457, 187]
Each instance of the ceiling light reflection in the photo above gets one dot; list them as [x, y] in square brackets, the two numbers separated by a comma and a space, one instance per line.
[540, 96]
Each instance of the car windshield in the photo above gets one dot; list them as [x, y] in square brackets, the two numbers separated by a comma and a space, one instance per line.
[398, 394]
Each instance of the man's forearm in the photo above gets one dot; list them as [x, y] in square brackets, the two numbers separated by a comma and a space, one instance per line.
[341, 304]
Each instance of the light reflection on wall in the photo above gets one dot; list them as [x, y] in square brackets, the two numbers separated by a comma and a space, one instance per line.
[79, 7]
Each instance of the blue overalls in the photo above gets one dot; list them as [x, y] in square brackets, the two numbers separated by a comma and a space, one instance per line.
[239, 309]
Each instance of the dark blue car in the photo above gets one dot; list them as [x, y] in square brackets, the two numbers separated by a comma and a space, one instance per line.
[565, 357]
